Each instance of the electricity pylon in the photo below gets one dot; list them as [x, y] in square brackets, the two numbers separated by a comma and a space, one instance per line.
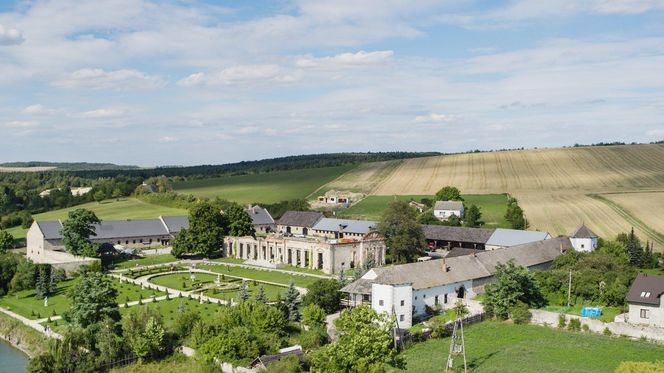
[457, 345]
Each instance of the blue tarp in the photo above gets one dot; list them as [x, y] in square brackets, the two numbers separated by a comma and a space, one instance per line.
[591, 312]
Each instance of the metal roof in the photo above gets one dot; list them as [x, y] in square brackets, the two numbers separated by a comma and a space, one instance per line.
[422, 275]
[115, 229]
[512, 237]
[584, 232]
[458, 234]
[345, 225]
[646, 289]
[300, 218]
[50, 229]
[259, 215]
[448, 205]
[175, 224]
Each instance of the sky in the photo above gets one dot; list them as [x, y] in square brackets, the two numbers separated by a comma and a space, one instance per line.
[184, 82]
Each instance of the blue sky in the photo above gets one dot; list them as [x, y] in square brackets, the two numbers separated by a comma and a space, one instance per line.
[189, 82]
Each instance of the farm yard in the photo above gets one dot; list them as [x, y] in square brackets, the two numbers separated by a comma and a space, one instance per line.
[505, 347]
[266, 187]
[552, 185]
[124, 208]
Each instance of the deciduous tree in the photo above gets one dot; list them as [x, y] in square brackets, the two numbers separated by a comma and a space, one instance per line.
[405, 239]
[513, 283]
[239, 221]
[473, 217]
[6, 241]
[325, 294]
[77, 230]
[449, 193]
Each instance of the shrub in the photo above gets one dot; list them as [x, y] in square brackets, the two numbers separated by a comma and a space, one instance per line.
[585, 328]
[574, 325]
[53, 313]
[438, 329]
[38, 315]
[520, 313]
[562, 321]
[607, 332]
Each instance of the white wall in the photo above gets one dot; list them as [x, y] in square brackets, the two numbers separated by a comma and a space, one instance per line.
[656, 314]
[395, 299]
[445, 214]
[427, 297]
[35, 243]
[584, 244]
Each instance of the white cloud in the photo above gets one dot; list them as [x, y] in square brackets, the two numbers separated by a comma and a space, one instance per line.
[240, 74]
[167, 139]
[657, 132]
[10, 36]
[21, 123]
[98, 79]
[100, 114]
[435, 118]
[342, 60]
[37, 109]
[627, 6]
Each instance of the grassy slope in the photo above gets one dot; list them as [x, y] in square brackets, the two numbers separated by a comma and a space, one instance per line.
[125, 208]
[266, 188]
[503, 347]
[29, 340]
[493, 207]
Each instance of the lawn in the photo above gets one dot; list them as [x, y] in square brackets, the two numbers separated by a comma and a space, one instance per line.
[261, 275]
[182, 281]
[608, 313]
[266, 187]
[504, 347]
[444, 317]
[145, 261]
[24, 302]
[169, 308]
[494, 207]
[125, 208]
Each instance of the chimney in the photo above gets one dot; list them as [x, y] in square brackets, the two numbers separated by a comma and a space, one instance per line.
[562, 251]
[445, 267]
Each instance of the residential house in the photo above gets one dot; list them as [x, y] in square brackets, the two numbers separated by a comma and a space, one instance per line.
[298, 222]
[443, 210]
[646, 304]
[261, 219]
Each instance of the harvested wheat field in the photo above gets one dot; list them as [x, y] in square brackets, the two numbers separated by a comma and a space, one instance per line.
[27, 169]
[365, 177]
[553, 185]
[647, 206]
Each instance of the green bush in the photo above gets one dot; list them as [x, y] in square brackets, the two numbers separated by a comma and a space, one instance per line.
[520, 313]
[574, 325]
[585, 328]
[607, 332]
[562, 321]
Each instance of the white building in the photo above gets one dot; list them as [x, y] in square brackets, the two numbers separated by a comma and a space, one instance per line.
[407, 290]
[646, 305]
[443, 210]
[583, 239]
[503, 238]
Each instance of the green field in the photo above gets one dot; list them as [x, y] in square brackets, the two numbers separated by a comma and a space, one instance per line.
[265, 188]
[145, 261]
[125, 208]
[261, 275]
[24, 302]
[493, 206]
[177, 280]
[504, 347]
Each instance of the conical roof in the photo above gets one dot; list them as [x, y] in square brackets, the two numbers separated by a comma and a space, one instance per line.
[584, 232]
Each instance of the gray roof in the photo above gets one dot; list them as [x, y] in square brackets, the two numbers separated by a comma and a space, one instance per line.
[461, 251]
[458, 234]
[511, 237]
[300, 218]
[448, 205]
[347, 225]
[50, 229]
[432, 273]
[584, 232]
[361, 286]
[652, 288]
[175, 224]
[259, 215]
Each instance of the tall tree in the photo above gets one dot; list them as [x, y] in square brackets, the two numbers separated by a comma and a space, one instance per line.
[325, 294]
[404, 236]
[6, 241]
[513, 283]
[634, 248]
[449, 193]
[92, 299]
[144, 332]
[239, 221]
[205, 234]
[77, 230]
[44, 284]
[261, 297]
[290, 300]
[473, 217]
[243, 293]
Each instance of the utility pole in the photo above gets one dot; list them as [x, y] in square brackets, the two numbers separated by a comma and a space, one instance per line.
[569, 289]
[457, 345]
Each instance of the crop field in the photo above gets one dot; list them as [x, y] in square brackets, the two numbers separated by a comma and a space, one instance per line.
[553, 185]
[363, 178]
[125, 208]
[504, 347]
[265, 188]
[647, 206]
[494, 207]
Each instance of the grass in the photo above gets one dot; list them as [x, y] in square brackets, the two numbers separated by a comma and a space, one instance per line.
[24, 302]
[494, 207]
[174, 363]
[145, 261]
[125, 208]
[29, 340]
[266, 187]
[504, 347]
[177, 280]
[169, 309]
[261, 275]
[608, 313]
[448, 315]
[226, 259]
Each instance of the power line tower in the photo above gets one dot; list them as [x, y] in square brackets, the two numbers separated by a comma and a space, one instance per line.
[457, 346]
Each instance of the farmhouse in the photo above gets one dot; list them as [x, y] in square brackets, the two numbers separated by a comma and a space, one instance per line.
[417, 206]
[298, 222]
[584, 239]
[327, 255]
[646, 305]
[444, 237]
[406, 290]
[261, 219]
[443, 210]
[334, 199]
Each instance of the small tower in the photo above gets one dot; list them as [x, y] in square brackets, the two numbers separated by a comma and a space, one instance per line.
[583, 239]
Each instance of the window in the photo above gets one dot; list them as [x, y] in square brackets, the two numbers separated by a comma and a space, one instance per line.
[402, 317]
[583, 245]
[402, 303]
[445, 299]
[645, 294]
[435, 300]
[380, 302]
[645, 314]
